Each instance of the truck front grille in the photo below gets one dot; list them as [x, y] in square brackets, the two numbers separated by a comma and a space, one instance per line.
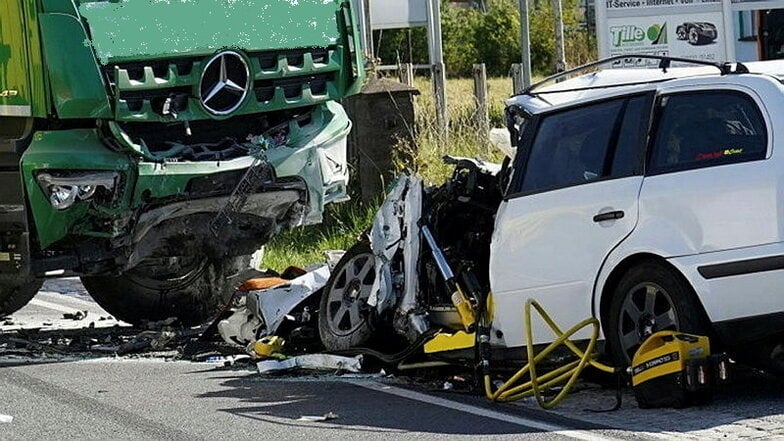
[281, 79]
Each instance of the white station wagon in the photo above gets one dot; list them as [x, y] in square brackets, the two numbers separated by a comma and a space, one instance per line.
[649, 199]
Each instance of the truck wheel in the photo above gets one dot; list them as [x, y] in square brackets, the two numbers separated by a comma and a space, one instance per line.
[650, 297]
[15, 293]
[344, 319]
[192, 289]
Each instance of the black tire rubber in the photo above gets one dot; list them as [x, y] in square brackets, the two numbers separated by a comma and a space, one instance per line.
[689, 314]
[193, 296]
[333, 338]
[16, 293]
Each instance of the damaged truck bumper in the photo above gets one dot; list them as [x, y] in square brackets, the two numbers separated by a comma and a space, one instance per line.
[112, 204]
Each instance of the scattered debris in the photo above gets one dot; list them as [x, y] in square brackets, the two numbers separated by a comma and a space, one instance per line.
[267, 346]
[275, 303]
[7, 419]
[318, 418]
[318, 362]
[78, 315]
[226, 361]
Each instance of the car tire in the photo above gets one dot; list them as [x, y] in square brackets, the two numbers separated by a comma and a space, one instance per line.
[345, 321]
[650, 297]
[16, 293]
[191, 289]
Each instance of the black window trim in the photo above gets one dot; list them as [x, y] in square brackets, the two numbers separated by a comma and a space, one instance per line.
[526, 141]
[657, 113]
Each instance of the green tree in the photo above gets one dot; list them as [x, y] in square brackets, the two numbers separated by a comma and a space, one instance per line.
[496, 38]
[458, 27]
[470, 36]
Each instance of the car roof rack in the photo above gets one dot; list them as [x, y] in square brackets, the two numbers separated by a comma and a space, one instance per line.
[665, 62]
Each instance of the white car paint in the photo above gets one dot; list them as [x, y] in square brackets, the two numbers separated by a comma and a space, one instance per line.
[547, 246]
[692, 218]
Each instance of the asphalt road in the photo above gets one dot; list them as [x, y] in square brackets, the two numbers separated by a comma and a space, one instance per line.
[141, 398]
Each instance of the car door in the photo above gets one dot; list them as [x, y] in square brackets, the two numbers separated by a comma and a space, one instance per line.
[573, 199]
[711, 200]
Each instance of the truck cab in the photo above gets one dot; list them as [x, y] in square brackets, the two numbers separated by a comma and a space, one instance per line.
[151, 147]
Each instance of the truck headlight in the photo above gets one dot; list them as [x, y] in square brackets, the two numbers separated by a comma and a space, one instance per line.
[65, 188]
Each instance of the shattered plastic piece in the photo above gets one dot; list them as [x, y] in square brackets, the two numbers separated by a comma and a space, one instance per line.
[227, 361]
[240, 328]
[317, 418]
[274, 304]
[312, 362]
[162, 339]
[7, 419]
[261, 283]
[267, 346]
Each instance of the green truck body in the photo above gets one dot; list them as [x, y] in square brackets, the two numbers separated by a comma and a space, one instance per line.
[151, 144]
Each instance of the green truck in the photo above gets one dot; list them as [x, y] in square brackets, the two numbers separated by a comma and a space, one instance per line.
[151, 146]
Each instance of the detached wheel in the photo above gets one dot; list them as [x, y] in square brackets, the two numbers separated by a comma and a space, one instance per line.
[344, 316]
[649, 298]
[16, 293]
[192, 289]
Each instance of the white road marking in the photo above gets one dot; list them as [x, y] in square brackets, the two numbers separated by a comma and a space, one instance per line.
[482, 412]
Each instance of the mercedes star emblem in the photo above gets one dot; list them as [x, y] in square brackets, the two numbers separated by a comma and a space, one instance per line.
[225, 82]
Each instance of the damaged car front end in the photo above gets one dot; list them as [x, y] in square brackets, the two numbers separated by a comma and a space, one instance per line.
[405, 289]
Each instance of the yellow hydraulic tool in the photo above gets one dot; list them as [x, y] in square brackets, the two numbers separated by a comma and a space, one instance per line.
[450, 342]
[674, 369]
[463, 304]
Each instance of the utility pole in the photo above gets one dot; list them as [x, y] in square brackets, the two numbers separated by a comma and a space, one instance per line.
[367, 29]
[525, 45]
[437, 63]
[560, 60]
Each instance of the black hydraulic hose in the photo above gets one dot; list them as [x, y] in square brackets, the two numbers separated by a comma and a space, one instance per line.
[391, 358]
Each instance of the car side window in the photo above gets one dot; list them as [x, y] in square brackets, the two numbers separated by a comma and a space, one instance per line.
[571, 147]
[703, 129]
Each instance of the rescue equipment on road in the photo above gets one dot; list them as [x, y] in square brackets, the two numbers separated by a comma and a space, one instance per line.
[674, 369]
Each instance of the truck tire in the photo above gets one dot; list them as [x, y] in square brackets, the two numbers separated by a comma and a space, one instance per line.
[192, 289]
[650, 297]
[344, 319]
[15, 293]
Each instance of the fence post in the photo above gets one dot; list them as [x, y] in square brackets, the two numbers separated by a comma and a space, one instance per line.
[480, 93]
[407, 74]
[439, 91]
[518, 82]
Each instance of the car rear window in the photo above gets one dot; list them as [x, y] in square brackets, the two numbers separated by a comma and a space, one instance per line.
[703, 129]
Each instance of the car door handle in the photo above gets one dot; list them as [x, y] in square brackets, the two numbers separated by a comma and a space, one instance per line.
[610, 215]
